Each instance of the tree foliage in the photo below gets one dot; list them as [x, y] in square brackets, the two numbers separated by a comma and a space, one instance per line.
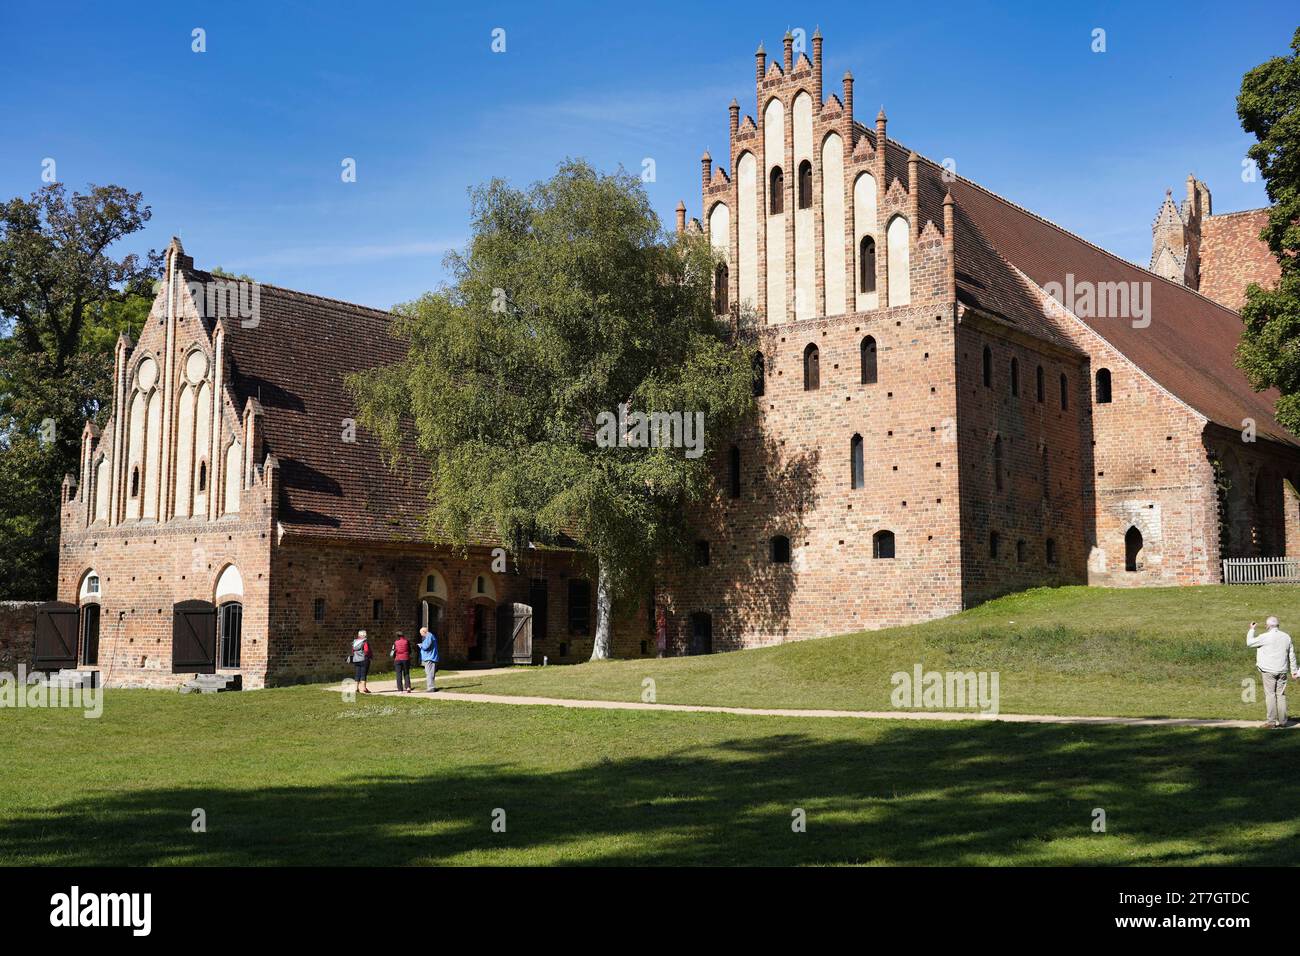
[568, 301]
[63, 301]
[1269, 109]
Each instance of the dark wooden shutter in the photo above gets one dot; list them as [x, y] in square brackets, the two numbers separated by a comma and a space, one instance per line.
[194, 638]
[56, 636]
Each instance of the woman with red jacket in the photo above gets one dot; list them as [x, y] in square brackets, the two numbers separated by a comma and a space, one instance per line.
[401, 655]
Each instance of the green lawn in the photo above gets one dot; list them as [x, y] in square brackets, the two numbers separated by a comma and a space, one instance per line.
[1151, 652]
[298, 776]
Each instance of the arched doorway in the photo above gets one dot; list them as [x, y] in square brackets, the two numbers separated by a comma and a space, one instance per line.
[480, 623]
[431, 607]
[1132, 549]
[88, 598]
[230, 618]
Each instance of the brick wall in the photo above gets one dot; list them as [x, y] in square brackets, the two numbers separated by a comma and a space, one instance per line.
[17, 633]
[1035, 498]
[146, 568]
[1232, 256]
[1258, 511]
[349, 579]
[796, 482]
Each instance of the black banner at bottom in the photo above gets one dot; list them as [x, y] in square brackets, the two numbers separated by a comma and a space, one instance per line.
[351, 906]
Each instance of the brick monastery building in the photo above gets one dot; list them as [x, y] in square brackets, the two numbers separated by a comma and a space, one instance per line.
[931, 428]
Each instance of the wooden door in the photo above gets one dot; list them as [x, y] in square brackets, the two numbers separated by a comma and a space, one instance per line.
[56, 636]
[194, 638]
[514, 634]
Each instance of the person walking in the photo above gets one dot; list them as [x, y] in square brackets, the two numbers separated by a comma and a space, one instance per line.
[360, 659]
[429, 657]
[401, 655]
[1275, 658]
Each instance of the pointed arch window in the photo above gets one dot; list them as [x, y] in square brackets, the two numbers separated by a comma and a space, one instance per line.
[1038, 383]
[776, 191]
[805, 185]
[1065, 392]
[1015, 378]
[1103, 386]
[997, 463]
[812, 368]
[733, 471]
[857, 469]
[135, 482]
[868, 349]
[867, 265]
[988, 367]
[760, 375]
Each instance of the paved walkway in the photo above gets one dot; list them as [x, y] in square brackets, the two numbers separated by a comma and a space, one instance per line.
[389, 688]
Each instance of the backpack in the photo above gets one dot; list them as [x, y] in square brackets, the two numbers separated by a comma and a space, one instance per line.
[358, 655]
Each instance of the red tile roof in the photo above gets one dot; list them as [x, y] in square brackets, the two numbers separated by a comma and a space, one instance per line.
[294, 362]
[1190, 344]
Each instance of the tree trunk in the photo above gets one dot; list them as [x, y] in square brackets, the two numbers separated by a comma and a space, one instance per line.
[600, 649]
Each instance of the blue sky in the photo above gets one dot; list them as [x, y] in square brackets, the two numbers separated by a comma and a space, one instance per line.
[239, 149]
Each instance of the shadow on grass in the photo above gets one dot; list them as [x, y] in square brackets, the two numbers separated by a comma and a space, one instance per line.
[935, 795]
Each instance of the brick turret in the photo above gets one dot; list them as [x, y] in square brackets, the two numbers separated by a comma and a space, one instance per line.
[817, 68]
[914, 194]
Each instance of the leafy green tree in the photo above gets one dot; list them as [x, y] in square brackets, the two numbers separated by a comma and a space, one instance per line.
[63, 301]
[1269, 353]
[568, 302]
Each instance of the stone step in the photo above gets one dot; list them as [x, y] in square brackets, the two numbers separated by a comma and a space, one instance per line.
[71, 677]
[212, 683]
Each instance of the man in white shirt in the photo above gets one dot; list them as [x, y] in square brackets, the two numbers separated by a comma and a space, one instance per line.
[1275, 658]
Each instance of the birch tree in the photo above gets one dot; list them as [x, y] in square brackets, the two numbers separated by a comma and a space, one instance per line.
[569, 315]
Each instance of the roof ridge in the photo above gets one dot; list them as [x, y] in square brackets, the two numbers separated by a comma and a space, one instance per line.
[1059, 228]
[306, 295]
[1239, 212]
[1075, 235]
[387, 313]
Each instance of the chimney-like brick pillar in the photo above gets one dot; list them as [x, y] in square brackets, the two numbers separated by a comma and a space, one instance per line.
[734, 127]
[706, 169]
[817, 67]
[882, 239]
[787, 45]
[914, 194]
[681, 216]
[760, 65]
[950, 246]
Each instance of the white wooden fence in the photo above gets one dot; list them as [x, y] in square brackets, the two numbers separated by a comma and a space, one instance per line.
[1261, 571]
